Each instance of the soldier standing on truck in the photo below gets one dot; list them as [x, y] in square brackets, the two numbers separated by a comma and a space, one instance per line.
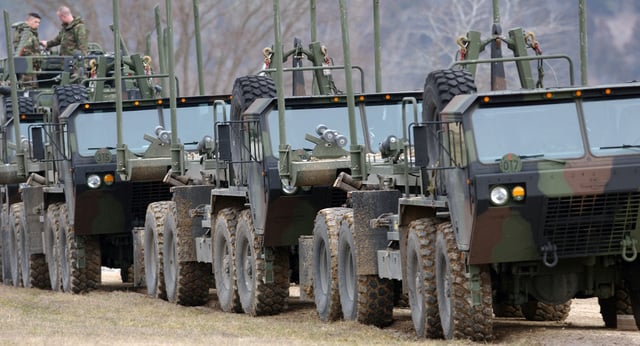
[28, 44]
[72, 37]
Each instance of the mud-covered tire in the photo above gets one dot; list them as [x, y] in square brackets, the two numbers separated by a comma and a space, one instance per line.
[325, 263]
[439, 88]
[14, 235]
[421, 278]
[5, 268]
[537, 311]
[224, 267]
[367, 299]
[154, 248]
[25, 105]
[507, 310]
[458, 317]
[257, 297]
[51, 230]
[80, 270]
[65, 95]
[186, 282]
[33, 267]
[619, 304]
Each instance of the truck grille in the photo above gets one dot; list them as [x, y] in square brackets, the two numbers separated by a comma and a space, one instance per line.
[590, 225]
[142, 195]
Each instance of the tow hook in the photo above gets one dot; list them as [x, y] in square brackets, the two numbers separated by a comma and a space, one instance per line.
[546, 249]
[627, 243]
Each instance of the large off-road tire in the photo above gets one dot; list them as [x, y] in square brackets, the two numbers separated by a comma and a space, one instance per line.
[458, 317]
[258, 297]
[51, 230]
[507, 310]
[421, 278]
[15, 233]
[367, 299]
[439, 88]
[224, 266]
[154, 247]
[619, 304]
[64, 95]
[5, 266]
[325, 263]
[537, 311]
[247, 89]
[80, 270]
[186, 282]
[32, 266]
[25, 105]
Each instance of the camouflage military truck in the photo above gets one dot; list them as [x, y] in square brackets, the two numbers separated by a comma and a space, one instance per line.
[182, 234]
[34, 179]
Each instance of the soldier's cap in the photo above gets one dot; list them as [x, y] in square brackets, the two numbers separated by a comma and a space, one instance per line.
[34, 15]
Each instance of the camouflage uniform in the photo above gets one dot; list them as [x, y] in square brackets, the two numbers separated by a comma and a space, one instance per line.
[29, 45]
[71, 38]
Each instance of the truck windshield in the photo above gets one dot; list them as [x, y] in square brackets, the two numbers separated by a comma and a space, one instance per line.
[536, 132]
[382, 121]
[97, 129]
[612, 126]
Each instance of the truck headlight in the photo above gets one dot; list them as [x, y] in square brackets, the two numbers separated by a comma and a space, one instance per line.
[93, 181]
[499, 195]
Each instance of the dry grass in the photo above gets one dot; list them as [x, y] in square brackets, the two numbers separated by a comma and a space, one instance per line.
[117, 316]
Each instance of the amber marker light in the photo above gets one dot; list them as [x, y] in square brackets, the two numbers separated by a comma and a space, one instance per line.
[23, 116]
[548, 95]
[136, 103]
[87, 106]
[518, 193]
[109, 179]
[335, 99]
[183, 100]
[607, 91]
[578, 93]
[387, 97]
[486, 99]
[160, 102]
[361, 98]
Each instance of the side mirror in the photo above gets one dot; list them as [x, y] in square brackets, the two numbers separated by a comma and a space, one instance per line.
[37, 138]
[224, 142]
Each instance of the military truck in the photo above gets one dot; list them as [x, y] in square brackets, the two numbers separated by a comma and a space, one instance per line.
[40, 144]
[481, 201]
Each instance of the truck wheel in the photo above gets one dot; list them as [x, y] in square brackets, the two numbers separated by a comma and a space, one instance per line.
[15, 233]
[611, 307]
[153, 248]
[534, 310]
[258, 297]
[365, 298]
[507, 310]
[5, 274]
[439, 88]
[64, 95]
[186, 282]
[325, 263]
[51, 229]
[224, 243]
[420, 278]
[25, 105]
[32, 266]
[459, 318]
[79, 257]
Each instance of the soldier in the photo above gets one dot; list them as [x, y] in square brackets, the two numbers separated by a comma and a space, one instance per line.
[73, 35]
[29, 45]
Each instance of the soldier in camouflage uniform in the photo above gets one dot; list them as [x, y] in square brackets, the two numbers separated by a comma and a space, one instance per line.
[73, 35]
[29, 45]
